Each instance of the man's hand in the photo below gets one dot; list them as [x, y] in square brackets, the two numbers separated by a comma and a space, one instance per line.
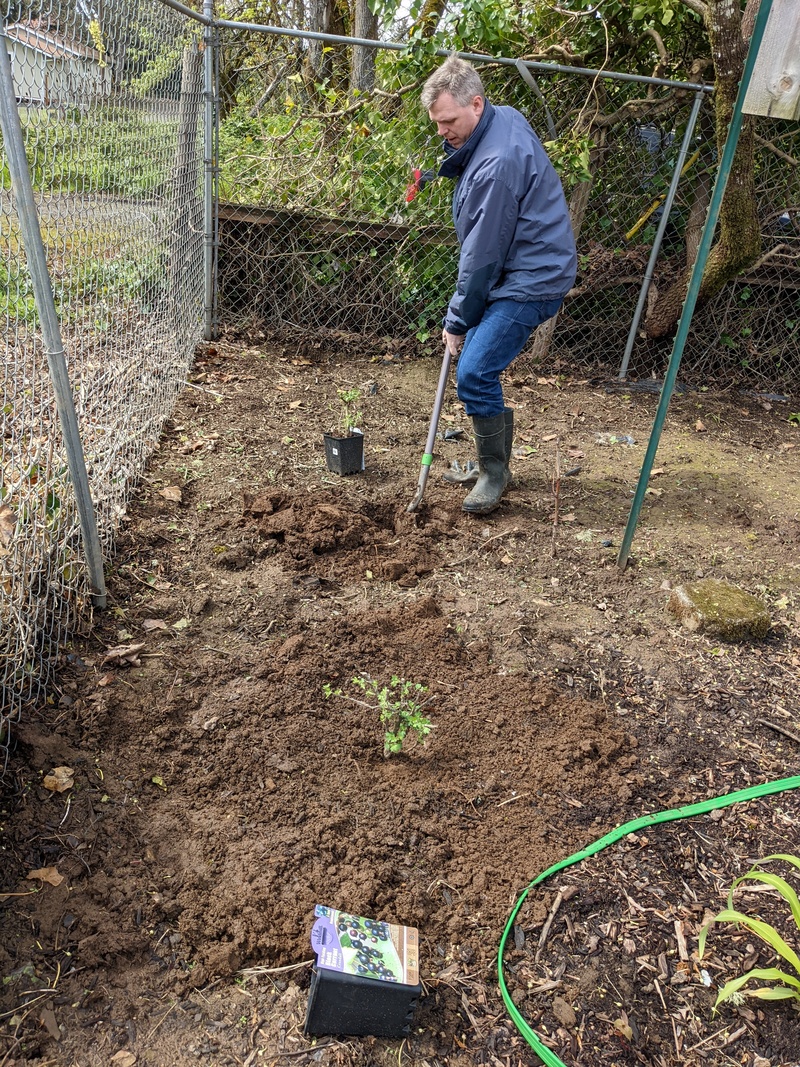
[453, 342]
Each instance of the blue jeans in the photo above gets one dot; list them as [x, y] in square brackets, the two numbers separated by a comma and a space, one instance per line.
[490, 347]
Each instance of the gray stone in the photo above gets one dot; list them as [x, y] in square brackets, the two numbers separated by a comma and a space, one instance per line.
[719, 609]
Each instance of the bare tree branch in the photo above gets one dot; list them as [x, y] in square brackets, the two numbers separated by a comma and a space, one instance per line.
[698, 6]
[777, 151]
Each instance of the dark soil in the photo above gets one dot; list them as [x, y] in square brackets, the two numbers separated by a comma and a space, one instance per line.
[219, 795]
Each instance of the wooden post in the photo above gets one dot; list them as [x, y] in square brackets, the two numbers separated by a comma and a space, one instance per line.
[774, 89]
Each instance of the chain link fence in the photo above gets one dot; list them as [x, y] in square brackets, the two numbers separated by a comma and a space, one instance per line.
[111, 116]
[320, 233]
[317, 234]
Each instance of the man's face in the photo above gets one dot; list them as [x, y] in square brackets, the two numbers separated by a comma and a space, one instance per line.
[455, 122]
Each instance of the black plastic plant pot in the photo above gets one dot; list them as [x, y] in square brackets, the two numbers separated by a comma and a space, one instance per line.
[356, 991]
[344, 455]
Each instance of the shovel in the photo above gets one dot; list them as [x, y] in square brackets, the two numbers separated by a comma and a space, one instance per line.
[427, 458]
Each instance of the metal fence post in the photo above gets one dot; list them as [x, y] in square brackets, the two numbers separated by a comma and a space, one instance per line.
[693, 291]
[48, 319]
[659, 237]
[210, 160]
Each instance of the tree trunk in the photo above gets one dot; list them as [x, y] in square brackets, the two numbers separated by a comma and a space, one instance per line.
[326, 62]
[739, 239]
[362, 70]
[318, 22]
[429, 18]
[700, 188]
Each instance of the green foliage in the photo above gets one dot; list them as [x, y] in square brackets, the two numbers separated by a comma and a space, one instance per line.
[101, 283]
[106, 149]
[399, 706]
[318, 163]
[657, 12]
[571, 156]
[616, 25]
[785, 986]
[16, 293]
[358, 166]
[794, 417]
[492, 26]
[349, 416]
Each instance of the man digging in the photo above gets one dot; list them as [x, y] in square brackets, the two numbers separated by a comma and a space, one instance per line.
[517, 257]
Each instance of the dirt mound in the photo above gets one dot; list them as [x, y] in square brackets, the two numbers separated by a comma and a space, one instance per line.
[318, 534]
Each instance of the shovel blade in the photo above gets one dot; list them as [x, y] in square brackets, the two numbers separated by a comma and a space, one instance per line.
[416, 500]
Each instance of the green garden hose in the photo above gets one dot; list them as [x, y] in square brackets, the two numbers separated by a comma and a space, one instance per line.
[545, 1054]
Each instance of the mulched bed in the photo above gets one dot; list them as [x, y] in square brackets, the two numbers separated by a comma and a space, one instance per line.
[604, 961]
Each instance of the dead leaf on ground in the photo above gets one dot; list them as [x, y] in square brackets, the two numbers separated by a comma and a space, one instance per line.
[46, 874]
[123, 1058]
[59, 779]
[171, 492]
[699, 426]
[124, 655]
[550, 437]
[154, 624]
[48, 1020]
[8, 521]
[623, 1028]
[160, 584]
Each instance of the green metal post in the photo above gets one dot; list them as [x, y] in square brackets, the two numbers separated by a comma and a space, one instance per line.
[693, 290]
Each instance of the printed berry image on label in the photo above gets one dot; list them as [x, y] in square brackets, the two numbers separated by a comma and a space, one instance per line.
[368, 948]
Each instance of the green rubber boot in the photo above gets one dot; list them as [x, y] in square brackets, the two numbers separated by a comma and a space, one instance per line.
[490, 443]
[469, 475]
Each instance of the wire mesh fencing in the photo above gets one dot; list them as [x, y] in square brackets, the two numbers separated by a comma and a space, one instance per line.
[111, 116]
[319, 232]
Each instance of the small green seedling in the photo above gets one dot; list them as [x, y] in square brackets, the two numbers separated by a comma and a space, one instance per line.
[399, 705]
[795, 418]
[349, 416]
[785, 986]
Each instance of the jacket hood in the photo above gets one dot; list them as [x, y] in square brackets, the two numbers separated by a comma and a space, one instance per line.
[457, 158]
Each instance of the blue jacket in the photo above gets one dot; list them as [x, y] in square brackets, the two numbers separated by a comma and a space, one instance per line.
[511, 219]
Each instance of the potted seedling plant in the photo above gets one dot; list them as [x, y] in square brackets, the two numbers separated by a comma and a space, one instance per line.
[344, 444]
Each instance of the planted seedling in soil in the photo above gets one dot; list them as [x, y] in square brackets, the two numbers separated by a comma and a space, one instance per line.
[784, 986]
[399, 705]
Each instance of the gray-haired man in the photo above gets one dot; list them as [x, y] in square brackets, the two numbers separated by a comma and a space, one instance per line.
[517, 260]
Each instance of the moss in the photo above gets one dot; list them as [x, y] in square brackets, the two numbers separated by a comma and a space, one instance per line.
[721, 609]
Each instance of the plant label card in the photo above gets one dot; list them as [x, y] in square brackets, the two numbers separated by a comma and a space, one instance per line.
[364, 947]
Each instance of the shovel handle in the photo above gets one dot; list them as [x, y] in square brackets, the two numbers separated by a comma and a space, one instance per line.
[427, 457]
